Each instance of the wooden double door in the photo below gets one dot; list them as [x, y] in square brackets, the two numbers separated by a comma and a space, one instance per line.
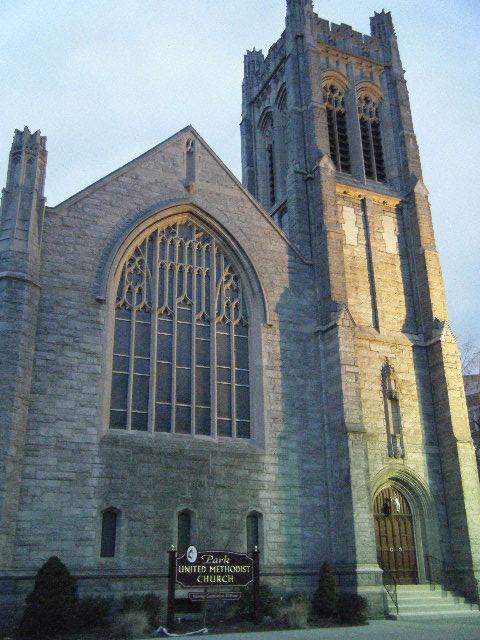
[395, 536]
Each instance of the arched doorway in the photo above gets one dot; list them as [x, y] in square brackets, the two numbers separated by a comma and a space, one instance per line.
[394, 531]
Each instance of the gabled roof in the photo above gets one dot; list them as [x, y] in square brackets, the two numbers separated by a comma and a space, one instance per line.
[136, 161]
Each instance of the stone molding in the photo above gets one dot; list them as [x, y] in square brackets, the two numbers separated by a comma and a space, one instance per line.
[361, 192]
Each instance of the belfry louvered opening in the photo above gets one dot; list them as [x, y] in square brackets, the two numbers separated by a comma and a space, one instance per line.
[334, 100]
[371, 139]
[180, 361]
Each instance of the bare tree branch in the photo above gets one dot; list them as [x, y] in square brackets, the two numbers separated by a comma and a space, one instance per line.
[470, 357]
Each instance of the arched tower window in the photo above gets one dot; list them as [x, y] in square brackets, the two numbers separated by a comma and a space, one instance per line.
[282, 143]
[334, 100]
[108, 533]
[180, 354]
[184, 531]
[269, 159]
[371, 138]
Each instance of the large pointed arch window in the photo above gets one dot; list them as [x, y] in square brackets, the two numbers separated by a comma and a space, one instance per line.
[371, 138]
[180, 354]
[334, 101]
[269, 159]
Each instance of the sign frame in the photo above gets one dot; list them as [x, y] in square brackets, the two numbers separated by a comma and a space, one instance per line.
[212, 568]
[254, 558]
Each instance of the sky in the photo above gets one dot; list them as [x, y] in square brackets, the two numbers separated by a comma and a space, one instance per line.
[105, 80]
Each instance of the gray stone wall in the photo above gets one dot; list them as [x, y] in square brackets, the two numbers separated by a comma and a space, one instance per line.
[75, 467]
[356, 285]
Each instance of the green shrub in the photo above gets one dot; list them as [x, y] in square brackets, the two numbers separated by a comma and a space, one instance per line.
[152, 605]
[130, 624]
[269, 603]
[94, 612]
[149, 603]
[130, 603]
[325, 598]
[295, 614]
[298, 597]
[52, 605]
[351, 608]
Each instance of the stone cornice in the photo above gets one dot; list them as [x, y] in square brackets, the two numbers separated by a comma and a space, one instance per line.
[361, 192]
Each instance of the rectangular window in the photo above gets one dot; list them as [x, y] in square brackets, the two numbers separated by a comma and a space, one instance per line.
[163, 418]
[122, 336]
[183, 419]
[202, 421]
[183, 385]
[109, 534]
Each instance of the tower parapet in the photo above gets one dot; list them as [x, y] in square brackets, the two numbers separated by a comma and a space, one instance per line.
[343, 36]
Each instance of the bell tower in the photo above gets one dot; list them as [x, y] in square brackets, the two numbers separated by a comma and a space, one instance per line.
[327, 122]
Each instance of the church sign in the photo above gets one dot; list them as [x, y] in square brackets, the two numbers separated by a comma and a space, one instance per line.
[214, 568]
[207, 569]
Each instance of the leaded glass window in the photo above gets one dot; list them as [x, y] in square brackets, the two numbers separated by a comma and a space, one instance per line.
[334, 101]
[180, 355]
[371, 139]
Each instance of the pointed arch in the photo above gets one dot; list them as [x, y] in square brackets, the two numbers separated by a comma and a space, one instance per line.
[333, 76]
[281, 98]
[335, 85]
[186, 403]
[266, 119]
[422, 505]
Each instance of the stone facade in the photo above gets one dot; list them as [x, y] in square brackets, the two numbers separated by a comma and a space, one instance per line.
[347, 314]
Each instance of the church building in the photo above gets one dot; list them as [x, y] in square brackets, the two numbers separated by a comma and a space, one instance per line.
[187, 359]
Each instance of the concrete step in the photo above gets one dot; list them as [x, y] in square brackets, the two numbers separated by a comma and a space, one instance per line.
[439, 614]
[438, 606]
[430, 597]
[417, 601]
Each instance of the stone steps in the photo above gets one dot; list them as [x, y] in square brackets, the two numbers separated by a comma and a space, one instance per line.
[416, 601]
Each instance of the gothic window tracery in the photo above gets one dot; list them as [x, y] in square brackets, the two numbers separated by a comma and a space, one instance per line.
[269, 159]
[334, 101]
[371, 138]
[180, 355]
[282, 143]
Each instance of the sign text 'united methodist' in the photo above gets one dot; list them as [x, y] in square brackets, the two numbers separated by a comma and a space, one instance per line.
[209, 568]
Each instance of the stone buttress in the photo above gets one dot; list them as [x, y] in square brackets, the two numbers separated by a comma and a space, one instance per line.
[21, 222]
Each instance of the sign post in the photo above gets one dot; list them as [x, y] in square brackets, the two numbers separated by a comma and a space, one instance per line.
[257, 613]
[172, 559]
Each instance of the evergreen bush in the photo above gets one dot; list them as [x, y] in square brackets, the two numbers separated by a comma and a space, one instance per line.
[269, 603]
[52, 605]
[93, 612]
[148, 603]
[351, 608]
[325, 598]
[152, 605]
